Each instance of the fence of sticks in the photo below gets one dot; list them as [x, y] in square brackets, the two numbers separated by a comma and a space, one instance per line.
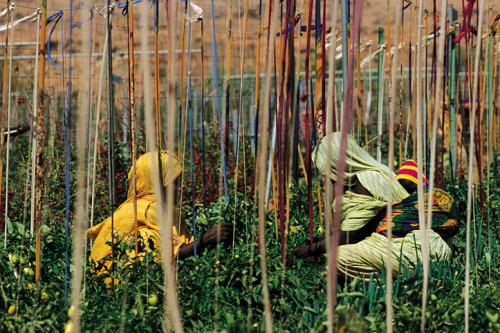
[240, 92]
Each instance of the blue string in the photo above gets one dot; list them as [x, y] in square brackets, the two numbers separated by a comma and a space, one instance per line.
[296, 131]
[54, 17]
[77, 24]
[190, 95]
[123, 5]
[203, 159]
[203, 136]
[290, 27]
[214, 51]
[256, 113]
[319, 26]
[303, 28]
[434, 36]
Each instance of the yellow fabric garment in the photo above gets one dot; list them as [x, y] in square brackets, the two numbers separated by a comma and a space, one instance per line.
[147, 212]
[370, 255]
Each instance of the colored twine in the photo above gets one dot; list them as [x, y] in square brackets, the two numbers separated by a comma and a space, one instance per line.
[216, 72]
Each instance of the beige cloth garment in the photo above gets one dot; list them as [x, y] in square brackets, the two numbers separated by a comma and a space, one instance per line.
[370, 255]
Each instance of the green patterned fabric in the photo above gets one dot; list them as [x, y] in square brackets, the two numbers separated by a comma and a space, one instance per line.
[404, 219]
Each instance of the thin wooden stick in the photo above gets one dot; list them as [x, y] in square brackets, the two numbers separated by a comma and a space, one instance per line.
[452, 101]
[35, 127]
[401, 41]
[97, 125]
[380, 99]
[240, 102]
[392, 106]
[172, 317]
[153, 133]
[319, 97]
[152, 129]
[157, 79]
[427, 225]
[228, 79]
[4, 102]
[40, 140]
[262, 169]
[132, 114]
[257, 67]
[181, 75]
[329, 126]
[8, 131]
[471, 156]
[80, 206]
[202, 110]
[420, 190]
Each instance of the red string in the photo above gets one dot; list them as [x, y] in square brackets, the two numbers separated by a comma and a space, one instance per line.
[307, 134]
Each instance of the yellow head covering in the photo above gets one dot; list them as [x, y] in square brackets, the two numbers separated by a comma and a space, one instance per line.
[147, 168]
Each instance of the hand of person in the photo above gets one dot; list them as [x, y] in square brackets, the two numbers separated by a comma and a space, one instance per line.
[219, 233]
[303, 251]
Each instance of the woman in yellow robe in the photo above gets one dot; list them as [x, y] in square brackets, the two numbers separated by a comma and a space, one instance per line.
[148, 221]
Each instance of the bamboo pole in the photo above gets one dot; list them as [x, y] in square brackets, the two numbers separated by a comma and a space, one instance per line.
[97, 124]
[190, 111]
[339, 185]
[380, 100]
[40, 140]
[329, 127]
[228, 80]
[8, 129]
[157, 77]
[490, 114]
[202, 110]
[471, 156]
[181, 76]
[80, 206]
[280, 129]
[307, 134]
[153, 131]
[419, 139]
[133, 121]
[35, 126]
[319, 98]
[4, 101]
[216, 74]
[257, 72]
[400, 48]
[392, 105]
[344, 16]
[453, 101]
[427, 225]
[262, 171]
[172, 317]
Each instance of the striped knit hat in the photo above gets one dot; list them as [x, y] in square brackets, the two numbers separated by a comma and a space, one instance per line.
[409, 171]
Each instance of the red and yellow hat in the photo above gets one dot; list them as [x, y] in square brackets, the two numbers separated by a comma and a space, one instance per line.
[409, 171]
